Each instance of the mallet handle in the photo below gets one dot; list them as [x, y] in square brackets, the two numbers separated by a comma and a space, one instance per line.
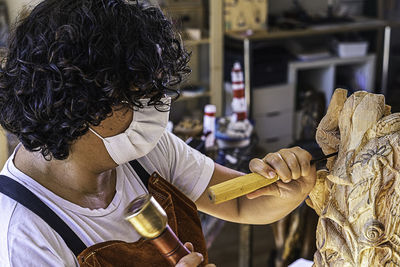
[170, 246]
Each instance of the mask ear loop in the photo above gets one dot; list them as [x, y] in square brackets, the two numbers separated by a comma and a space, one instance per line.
[99, 136]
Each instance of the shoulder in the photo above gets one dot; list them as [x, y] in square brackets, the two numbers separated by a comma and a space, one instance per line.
[187, 168]
[169, 140]
[170, 153]
[163, 156]
[25, 237]
[7, 207]
[175, 146]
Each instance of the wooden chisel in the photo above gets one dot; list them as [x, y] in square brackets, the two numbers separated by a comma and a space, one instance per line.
[245, 184]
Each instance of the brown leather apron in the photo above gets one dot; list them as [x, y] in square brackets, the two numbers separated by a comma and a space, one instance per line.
[182, 218]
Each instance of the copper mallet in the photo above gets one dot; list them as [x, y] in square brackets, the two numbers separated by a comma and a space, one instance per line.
[150, 221]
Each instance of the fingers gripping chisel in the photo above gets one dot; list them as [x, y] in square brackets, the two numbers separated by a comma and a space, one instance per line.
[245, 184]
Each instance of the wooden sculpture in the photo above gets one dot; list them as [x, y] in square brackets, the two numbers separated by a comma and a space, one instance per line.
[358, 196]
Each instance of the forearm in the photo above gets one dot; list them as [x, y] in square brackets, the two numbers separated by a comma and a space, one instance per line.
[228, 210]
[261, 210]
[266, 209]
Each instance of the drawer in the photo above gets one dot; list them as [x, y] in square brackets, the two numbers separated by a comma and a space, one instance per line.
[271, 99]
[274, 124]
[273, 144]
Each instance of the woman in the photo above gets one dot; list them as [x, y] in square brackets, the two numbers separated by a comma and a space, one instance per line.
[86, 88]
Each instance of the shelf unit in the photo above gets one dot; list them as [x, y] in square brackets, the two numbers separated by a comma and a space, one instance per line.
[277, 121]
[249, 40]
[191, 43]
[325, 75]
[277, 103]
[216, 53]
[321, 74]
[361, 24]
[207, 56]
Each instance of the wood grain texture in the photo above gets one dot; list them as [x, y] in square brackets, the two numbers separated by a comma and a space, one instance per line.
[237, 187]
[358, 196]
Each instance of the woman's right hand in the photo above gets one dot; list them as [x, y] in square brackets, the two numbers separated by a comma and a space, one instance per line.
[193, 259]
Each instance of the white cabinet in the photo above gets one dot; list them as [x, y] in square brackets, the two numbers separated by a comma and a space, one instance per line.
[273, 108]
[273, 112]
[271, 99]
[325, 74]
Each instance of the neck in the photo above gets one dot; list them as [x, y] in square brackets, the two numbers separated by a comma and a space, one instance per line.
[70, 179]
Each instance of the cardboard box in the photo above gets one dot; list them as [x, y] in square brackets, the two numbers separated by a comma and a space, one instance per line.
[245, 14]
[351, 49]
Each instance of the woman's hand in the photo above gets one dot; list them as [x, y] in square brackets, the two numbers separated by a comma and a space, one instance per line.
[292, 165]
[193, 259]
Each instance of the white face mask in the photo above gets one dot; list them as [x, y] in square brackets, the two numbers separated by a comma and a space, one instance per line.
[147, 126]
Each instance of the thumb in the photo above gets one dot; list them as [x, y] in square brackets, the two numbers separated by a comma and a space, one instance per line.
[189, 246]
[192, 259]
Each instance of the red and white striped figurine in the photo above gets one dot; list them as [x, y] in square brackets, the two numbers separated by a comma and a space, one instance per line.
[238, 101]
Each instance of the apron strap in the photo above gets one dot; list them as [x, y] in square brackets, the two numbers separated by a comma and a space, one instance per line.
[22, 195]
[143, 174]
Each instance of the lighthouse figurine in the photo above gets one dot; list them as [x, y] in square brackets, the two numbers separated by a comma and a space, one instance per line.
[239, 101]
[235, 130]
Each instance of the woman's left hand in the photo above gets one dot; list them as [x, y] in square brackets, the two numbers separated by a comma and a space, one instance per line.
[292, 165]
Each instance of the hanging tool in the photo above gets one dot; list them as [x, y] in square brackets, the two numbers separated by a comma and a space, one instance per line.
[245, 184]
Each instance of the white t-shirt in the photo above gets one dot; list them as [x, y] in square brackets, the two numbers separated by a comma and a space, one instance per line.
[26, 240]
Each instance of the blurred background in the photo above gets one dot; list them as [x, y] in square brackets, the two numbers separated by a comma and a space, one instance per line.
[263, 72]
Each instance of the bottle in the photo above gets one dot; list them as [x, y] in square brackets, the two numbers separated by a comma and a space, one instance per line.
[209, 125]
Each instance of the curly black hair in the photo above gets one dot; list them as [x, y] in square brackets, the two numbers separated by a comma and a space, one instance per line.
[71, 61]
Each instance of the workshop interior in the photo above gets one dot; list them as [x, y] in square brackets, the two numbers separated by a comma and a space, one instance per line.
[263, 73]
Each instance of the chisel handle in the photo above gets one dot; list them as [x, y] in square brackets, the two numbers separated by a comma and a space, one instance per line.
[245, 184]
[238, 186]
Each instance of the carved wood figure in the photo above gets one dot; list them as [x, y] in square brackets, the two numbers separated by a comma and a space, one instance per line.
[358, 196]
